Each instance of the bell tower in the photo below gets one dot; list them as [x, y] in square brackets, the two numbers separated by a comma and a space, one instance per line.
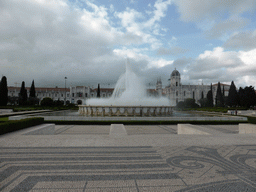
[175, 78]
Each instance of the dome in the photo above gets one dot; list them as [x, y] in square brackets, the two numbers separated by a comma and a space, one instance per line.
[175, 73]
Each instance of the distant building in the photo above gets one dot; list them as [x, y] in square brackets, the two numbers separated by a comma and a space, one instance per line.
[75, 94]
[177, 92]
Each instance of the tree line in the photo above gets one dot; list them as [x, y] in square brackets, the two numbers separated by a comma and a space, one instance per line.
[23, 98]
[244, 97]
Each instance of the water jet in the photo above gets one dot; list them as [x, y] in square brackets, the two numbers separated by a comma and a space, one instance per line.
[128, 99]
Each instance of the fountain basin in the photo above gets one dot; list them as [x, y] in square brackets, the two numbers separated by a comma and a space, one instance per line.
[125, 110]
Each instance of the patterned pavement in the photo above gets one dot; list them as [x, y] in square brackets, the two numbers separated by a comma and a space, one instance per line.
[114, 167]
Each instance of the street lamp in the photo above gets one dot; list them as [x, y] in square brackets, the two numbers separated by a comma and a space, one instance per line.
[65, 91]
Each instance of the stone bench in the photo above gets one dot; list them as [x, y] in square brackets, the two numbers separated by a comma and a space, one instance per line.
[117, 130]
[44, 129]
[245, 128]
[193, 130]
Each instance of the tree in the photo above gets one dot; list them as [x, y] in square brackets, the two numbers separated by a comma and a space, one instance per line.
[188, 103]
[32, 92]
[3, 92]
[47, 102]
[32, 100]
[233, 97]
[247, 97]
[210, 98]
[219, 97]
[23, 94]
[98, 91]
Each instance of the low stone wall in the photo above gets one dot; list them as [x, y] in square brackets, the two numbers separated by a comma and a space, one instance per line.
[245, 128]
[191, 130]
[125, 110]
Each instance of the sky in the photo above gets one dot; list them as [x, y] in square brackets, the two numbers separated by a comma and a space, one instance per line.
[89, 41]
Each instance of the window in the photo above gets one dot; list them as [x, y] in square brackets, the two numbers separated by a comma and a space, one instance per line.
[193, 95]
[61, 95]
[73, 94]
[85, 94]
[176, 84]
[184, 93]
[68, 95]
[177, 93]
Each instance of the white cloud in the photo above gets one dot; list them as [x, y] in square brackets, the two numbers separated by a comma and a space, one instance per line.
[225, 66]
[217, 18]
[225, 27]
[243, 40]
[136, 56]
[197, 10]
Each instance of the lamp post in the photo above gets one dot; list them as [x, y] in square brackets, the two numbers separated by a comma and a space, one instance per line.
[65, 92]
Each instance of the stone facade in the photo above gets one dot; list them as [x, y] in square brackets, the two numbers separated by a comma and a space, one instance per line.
[177, 92]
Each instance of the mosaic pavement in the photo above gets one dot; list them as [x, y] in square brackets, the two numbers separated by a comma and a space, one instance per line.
[128, 168]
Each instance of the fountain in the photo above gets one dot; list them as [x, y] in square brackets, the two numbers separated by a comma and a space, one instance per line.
[128, 99]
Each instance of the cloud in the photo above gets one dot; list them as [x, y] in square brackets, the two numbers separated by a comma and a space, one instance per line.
[197, 10]
[243, 40]
[139, 25]
[219, 18]
[225, 27]
[172, 51]
[225, 66]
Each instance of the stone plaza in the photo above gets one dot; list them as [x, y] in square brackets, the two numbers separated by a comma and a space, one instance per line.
[128, 158]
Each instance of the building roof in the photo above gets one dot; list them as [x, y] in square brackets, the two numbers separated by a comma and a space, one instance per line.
[41, 89]
[175, 73]
[221, 84]
[104, 89]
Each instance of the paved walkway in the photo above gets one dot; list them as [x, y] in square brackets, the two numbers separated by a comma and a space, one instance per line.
[141, 158]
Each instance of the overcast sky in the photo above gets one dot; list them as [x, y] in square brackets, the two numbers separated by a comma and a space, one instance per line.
[88, 41]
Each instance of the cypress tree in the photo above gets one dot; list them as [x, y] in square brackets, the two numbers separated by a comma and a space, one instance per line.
[32, 92]
[210, 98]
[3, 92]
[23, 94]
[98, 91]
[233, 97]
[219, 97]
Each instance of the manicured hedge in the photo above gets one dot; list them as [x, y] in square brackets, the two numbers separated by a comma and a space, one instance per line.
[144, 122]
[251, 120]
[11, 126]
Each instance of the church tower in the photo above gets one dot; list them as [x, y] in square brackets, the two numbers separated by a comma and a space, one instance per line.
[175, 79]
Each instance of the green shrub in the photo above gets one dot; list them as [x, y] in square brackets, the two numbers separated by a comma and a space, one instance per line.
[11, 126]
[251, 120]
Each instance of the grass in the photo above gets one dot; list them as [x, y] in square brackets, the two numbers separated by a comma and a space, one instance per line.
[3, 119]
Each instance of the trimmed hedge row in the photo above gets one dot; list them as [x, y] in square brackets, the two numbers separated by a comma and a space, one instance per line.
[251, 120]
[144, 122]
[11, 126]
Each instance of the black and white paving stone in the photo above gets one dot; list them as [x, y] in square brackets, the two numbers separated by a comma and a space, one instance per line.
[78, 158]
